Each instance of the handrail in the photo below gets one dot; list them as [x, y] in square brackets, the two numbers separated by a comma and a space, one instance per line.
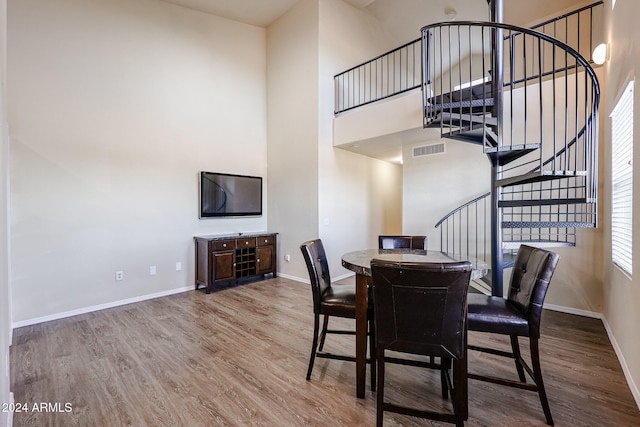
[461, 207]
[574, 197]
[360, 91]
[486, 195]
[378, 57]
[568, 14]
[368, 88]
[542, 26]
[517, 31]
[394, 72]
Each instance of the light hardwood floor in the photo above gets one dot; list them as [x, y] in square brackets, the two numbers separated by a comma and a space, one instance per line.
[238, 357]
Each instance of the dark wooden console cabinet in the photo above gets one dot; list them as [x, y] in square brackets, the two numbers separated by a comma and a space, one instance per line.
[226, 258]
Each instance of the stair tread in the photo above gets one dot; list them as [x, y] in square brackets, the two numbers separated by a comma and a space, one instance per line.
[543, 202]
[547, 224]
[468, 117]
[539, 176]
[512, 148]
[537, 243]
[452, 105]
[474, 134]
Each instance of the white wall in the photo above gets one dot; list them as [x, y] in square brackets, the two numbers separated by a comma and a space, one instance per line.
[292, 46]
[115, 106]
[359, 197]
[436, 184]
[621, 292]
[372, 121]
[315, 189]
[5, 301]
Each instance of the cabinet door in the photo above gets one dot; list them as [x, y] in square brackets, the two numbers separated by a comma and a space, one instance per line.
[264, 259]
[223, 265]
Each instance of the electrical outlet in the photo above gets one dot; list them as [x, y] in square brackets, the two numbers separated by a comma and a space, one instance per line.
[287, 257]
[152, 270]
[178, 266]
[119, 275]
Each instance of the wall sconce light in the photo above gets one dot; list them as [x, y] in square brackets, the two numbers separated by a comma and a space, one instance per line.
[599, 55]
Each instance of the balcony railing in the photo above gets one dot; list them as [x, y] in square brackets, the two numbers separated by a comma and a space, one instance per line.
[581, 29]
[399, 70]
[389, 74]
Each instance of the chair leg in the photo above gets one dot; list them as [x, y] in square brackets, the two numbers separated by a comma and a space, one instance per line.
[380, 388]
[316, 326]
[445, 366]
[323, 334]
[537, 372]
[458, 393]
[515, 347]
[372, 353]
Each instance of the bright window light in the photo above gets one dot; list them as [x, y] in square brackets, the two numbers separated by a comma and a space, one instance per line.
[622, 181]
[471, 83]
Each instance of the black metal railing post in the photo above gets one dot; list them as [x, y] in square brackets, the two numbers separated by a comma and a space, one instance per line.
[392, 73]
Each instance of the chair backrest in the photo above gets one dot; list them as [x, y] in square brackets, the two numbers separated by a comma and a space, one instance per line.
[402, 242]
[530, 279]
[318, 267]
[419, 242]
[420, 308]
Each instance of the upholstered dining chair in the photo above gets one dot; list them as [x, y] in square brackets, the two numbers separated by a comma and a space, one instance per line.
[332, 300]
[402, 242]
[518, 315]
[420, 308]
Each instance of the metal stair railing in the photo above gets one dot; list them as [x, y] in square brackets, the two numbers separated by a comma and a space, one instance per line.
[395, 72]
[550, 94]
[568, 27]
[543, 211]
[384, 76]
[465, 230]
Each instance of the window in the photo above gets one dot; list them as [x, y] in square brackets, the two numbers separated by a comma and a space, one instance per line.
[622, 180]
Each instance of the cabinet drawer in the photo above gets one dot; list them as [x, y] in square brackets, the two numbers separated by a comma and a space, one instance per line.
[265, 240]
[249, 242]
[221, 245]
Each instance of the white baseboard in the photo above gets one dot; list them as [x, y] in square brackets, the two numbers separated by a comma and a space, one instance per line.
[98, 307]
[623, 363]
[294, 278]
[571, 310]
[306, 280]
[625, 368]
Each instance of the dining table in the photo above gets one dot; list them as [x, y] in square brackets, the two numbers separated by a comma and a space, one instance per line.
[360, 263]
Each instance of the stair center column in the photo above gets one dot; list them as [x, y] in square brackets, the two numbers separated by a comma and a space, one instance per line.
[496, 13]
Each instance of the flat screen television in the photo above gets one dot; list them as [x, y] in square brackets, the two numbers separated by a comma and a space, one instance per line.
[224, 194]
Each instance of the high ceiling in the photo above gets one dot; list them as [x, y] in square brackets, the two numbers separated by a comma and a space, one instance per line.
[254, 12]
[403, 18]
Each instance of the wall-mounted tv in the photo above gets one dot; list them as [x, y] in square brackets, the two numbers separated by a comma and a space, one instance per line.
[224, 194]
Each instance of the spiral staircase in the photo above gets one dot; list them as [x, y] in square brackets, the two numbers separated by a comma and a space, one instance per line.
[530, 102]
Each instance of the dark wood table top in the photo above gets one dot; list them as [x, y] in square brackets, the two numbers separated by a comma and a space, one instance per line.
[360, 261]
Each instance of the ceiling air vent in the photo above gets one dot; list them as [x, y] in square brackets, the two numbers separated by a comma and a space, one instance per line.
[427, 150]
